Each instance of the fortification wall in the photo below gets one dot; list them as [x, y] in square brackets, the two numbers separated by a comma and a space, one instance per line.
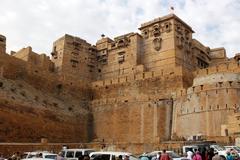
[135, 108]
[232, 67]
[160, 73]
[34, 96]
[14, 68]
[206, 106]
[28, 114]
[132, 121]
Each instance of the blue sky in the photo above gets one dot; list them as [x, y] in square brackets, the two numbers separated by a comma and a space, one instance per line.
[38, 23]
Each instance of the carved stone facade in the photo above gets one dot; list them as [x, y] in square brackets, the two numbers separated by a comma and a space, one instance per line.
[134, 88]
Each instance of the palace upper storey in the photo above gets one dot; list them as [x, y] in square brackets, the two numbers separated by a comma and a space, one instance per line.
[163, 43]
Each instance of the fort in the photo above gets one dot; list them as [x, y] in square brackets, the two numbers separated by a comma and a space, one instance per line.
[145, 88]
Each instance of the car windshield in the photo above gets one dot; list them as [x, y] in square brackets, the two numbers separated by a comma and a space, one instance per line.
[236, 148]
[170, 153]
[133, 158]
[31, 155]
[70, 154]
[219, 148]
[100, 157]
[51, 156]
[173, 155]
[24, 155]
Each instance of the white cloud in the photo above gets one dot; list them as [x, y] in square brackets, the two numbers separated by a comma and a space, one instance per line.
[215, 22]
[38, 23]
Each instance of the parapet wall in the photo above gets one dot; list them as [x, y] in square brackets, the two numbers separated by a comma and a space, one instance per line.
[135, 108]
[223, 67]
[14, 68]
[163, 73]
[206, 87]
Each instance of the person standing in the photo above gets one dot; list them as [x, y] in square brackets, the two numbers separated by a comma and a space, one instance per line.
[158, 156]
[60, 156]
[229, 156]
[197, 156]
[217, 157]
[210, 154]
[126, 157]
[164, 156]
[1, 157]
[189, 154]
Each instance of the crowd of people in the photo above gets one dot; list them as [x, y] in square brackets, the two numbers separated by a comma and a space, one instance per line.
[204, 154]
[160, 156]
[198, 154]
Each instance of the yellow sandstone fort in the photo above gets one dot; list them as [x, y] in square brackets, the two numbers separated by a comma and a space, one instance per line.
[136, 88]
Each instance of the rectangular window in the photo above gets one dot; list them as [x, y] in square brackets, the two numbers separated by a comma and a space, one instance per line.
[70, 154]
[74, 63]
[121, 57]
[102, 59]
[202, 64]
[78, 154]
[75, 53]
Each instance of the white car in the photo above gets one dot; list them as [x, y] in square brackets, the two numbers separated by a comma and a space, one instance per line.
[191, 148]
[172, 155]
[45, 155]
[236, 148]
[73, 154]
[219, 149]
[108, 155]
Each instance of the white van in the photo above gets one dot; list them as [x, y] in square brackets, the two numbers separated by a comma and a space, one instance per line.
[73, 154]
[110, 155]
[45, 155]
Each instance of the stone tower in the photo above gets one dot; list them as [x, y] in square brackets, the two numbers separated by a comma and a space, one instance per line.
[73, 56]
[167, 44]
[2, 44]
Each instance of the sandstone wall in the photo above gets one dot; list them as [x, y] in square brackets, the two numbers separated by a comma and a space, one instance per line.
[28, 114]
[135, 108]
[55, 107]
[208, 103]
[119, 57]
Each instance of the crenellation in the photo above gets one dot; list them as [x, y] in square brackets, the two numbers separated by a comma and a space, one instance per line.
[224, 67]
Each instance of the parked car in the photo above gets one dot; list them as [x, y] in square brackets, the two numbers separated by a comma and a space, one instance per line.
[73, 154]
[172, 155]
[108, 155]
[191, 148]
[217, 148]
[45, 155]
[235, 148]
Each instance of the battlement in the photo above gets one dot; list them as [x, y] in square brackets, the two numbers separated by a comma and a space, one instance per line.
[163, 73]
[41, 61]
[223, 67]
[207, 87]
